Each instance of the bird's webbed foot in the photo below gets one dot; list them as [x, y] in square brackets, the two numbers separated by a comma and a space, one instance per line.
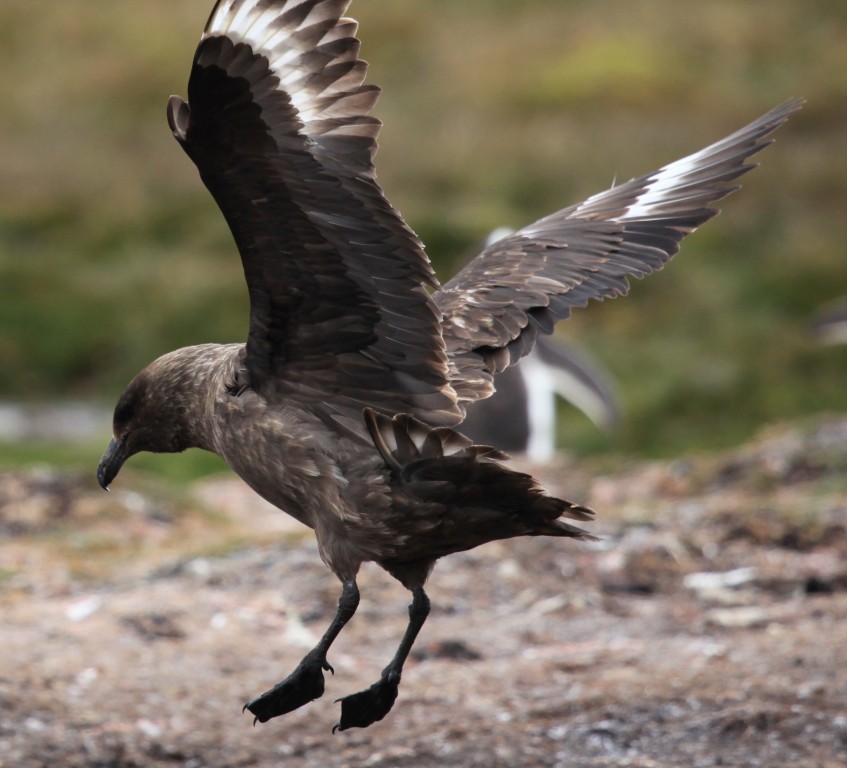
[304, 684]
[359, 710]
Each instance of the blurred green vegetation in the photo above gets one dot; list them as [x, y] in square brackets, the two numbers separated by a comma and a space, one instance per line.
[82, 457]
[496, 112]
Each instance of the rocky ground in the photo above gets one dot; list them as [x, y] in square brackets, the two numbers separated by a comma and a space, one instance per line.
[707, 628]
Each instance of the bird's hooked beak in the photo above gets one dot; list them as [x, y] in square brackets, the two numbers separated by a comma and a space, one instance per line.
[111, 463]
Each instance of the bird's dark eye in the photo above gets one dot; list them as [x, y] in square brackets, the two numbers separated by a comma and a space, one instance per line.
[124, 411]
[121, 419]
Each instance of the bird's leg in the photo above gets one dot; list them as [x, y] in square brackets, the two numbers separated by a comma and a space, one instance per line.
[306, 683]
[359, 710]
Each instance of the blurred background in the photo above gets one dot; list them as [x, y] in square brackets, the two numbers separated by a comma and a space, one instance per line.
[496, 112]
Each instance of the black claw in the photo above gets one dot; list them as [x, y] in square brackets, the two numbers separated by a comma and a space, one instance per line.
[244, 709]
[359, 710]
[304, 684]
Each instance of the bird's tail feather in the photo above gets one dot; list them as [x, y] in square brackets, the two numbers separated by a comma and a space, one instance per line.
[444, 466]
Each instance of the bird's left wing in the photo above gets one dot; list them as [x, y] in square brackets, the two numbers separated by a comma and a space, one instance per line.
[520, 286]
[277, 122]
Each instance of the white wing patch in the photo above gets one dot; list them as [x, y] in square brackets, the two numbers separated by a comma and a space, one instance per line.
[664, 187]
[290, 46]
[671, 185]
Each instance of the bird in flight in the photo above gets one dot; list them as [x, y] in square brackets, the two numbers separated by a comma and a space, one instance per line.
[341, 406]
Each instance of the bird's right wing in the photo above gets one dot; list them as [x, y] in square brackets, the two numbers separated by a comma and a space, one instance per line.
[277, 121]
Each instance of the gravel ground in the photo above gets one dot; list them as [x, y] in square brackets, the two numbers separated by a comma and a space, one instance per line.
[707, 628]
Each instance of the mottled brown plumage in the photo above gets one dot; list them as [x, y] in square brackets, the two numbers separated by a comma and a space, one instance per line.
[339, 408]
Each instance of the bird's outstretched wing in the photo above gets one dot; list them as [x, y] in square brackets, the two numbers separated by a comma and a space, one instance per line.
[521, 285]
[277, 122]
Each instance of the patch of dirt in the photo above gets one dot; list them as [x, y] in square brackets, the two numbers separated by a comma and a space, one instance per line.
[707, 628]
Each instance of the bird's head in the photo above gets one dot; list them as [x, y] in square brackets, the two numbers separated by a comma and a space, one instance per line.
[157, 412]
